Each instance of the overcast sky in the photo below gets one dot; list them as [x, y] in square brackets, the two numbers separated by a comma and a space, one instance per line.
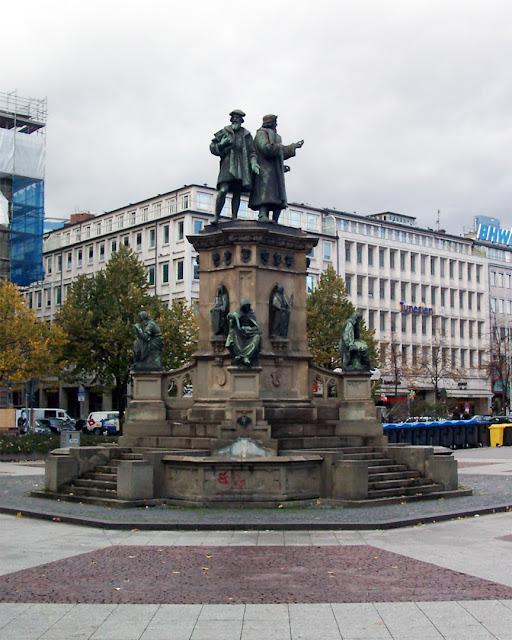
[404, 106]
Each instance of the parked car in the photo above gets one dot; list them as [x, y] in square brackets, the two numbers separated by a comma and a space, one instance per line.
[94, 420]
[110, 426]
[501, 420]
[41, 429]
[56, 425]
[80, 424]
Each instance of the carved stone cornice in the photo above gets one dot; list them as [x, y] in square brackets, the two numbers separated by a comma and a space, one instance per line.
[252, 232]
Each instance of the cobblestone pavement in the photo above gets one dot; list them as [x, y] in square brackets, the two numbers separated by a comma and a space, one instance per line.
[448, 580]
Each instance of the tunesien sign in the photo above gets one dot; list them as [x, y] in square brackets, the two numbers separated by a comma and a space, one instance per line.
[494, 234]
[408, 308]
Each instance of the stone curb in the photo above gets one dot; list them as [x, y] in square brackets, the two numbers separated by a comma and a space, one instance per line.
[256, 526]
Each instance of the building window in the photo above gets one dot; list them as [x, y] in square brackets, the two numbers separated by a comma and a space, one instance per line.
[126, 241]
[452, 328]
[97, 228]
[79, 257]
[371, 319]
[69, 260]
[90, 253]
[195, 268]
[185, 201]
[88, 231]
[108, 225]
[152, 238]
[433, 295]
[359, 285]
[165, 273]
[381, 257]
[166, 234]
[102, 251]
[462, 328]
[478, 272]
[424, 294]
[38, 299]
[171, 205]
[348, 251]
[179, 270]
[404, 323]
[382, 289]
[392, 254]
[371, 287]
[461, 299]
[403, 292]
[382, 320]
[423, 265]
[452, 298]
[470, 272]
[204, 201]
[501, 305]
[413, 263]
[294, 217]
[157, 209]
[145, 214]
[310, 283]
[414, 321]
[493, 278]
[348, 284]
[327, 250]
[120, 221]
[461, 270]
[181, 229]
[359, 253]
[424, 325]
[493, 305]
[58, 295]
[48, 297]
[138, 241]
[402, 260]
[59, 263]
[442, 264]
[113, 246]
[311, 222]
[451, 267]
[131, 217]
[432, 266]
[370, 256]
[151, 276]
[392, 290]
[414, 288]
[29, 298]
[198, 225]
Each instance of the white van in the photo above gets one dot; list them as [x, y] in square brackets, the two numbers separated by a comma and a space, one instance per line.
[42, 412]
[94, 419]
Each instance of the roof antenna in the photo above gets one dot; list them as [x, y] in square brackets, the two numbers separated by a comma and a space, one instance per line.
[437, 220]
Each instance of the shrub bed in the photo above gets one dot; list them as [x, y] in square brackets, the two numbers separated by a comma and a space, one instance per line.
[43, 444]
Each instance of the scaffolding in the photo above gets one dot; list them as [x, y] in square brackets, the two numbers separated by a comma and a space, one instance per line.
[22, 165]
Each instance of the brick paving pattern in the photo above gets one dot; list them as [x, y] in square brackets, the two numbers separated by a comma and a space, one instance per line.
[242, 574]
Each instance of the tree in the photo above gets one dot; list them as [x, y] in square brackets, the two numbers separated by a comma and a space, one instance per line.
[28, 349]
[500, 363]
[98, 318]
[179, 332]
[327, 309]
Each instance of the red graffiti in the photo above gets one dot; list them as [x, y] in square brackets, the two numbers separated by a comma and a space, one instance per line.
[223, 477]
[234, 479]
[238, 481]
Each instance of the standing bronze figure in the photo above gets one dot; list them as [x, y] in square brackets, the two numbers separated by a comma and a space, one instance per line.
[233, 145]
[280, 313]
[268, 192]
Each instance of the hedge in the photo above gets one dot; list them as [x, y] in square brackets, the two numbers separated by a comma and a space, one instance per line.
[32, 443]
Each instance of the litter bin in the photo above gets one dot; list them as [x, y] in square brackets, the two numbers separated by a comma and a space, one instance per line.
[507, 436]
[69, 439]
[496, 434]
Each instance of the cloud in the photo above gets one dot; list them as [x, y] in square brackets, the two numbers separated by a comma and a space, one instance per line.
[403, 106]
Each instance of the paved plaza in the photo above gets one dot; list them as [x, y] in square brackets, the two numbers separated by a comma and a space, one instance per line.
[450, 579]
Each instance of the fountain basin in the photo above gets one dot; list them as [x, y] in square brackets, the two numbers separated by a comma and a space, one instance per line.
[258, 481]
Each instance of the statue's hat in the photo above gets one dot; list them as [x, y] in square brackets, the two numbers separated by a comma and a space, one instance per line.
[237, 112]
[269, 119]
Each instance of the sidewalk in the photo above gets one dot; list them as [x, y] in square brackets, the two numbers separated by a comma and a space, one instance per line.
[448, 580]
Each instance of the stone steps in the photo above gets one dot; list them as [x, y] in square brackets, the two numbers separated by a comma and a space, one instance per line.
[400, 483]
[286, 430]
[405, 491]
[393, 475]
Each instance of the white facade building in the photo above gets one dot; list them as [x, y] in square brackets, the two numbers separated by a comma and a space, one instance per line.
[418, 289]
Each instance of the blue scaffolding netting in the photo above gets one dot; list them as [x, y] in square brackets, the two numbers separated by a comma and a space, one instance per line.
[27, 231]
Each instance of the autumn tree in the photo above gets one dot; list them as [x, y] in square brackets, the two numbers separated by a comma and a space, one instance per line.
[98, 318]
[499, 365]
[28, 349]
[179, 332]
[327, 309]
